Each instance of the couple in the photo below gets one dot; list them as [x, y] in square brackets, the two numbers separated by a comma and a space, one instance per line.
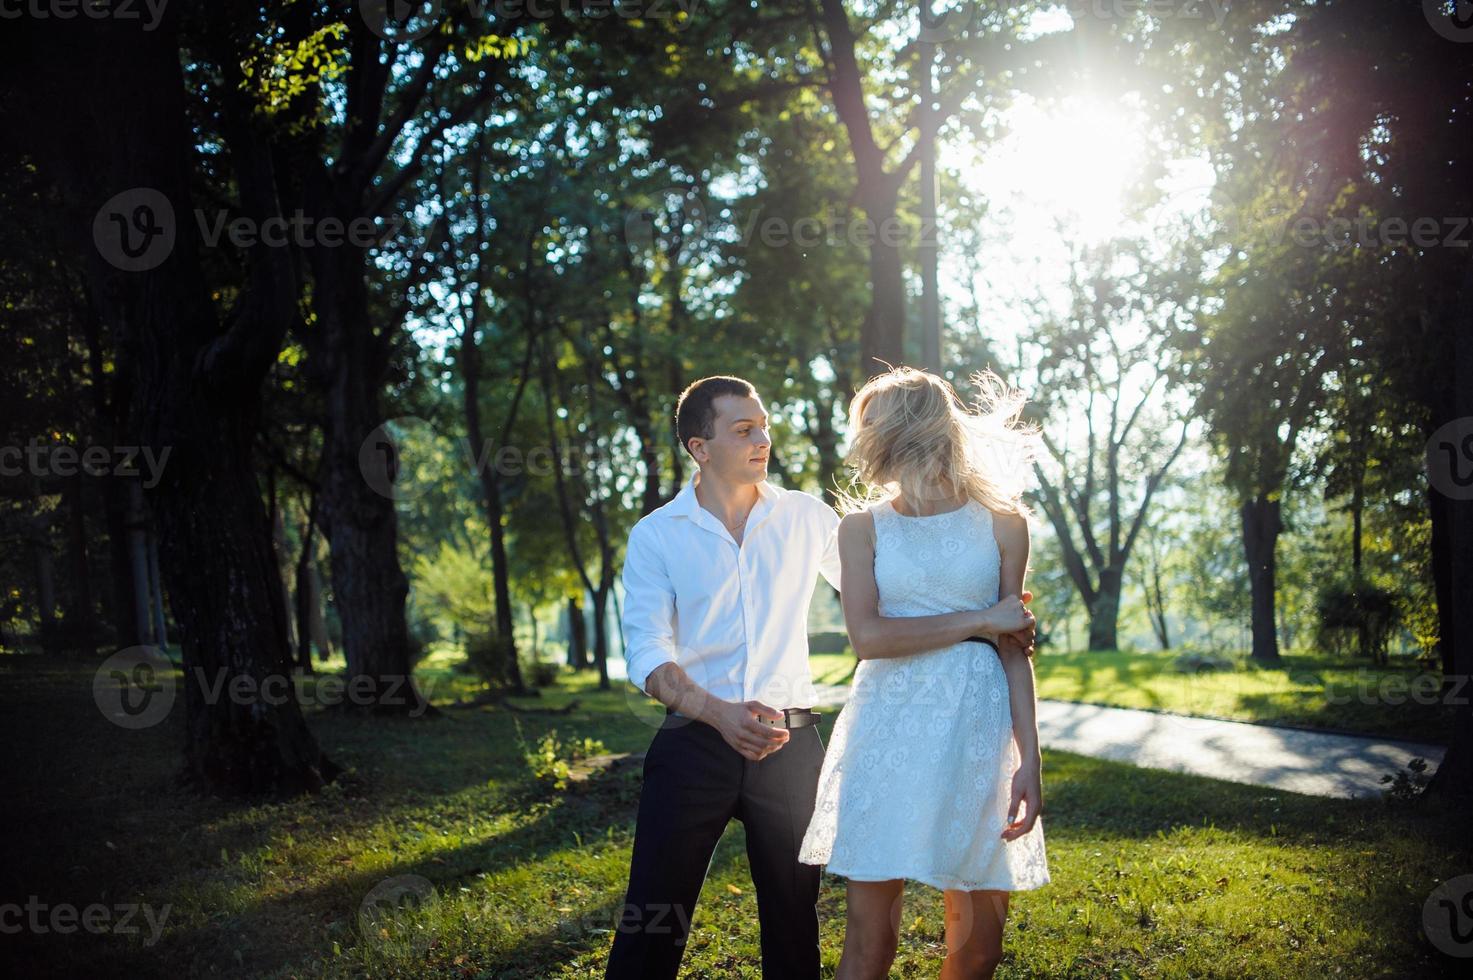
[933, 772]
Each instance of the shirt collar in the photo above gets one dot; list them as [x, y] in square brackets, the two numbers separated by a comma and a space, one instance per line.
[685, 504]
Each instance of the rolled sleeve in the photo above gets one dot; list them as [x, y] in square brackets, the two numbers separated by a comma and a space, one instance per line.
[828, 564]
[649, 608]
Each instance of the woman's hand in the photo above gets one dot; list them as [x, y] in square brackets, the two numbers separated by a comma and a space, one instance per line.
[1027, 790]
[1010, 615]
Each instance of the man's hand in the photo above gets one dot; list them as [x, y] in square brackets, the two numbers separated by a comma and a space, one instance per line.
[737, 722]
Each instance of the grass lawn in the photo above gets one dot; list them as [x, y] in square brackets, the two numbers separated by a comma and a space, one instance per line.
[1399, 701]
[1154, 874]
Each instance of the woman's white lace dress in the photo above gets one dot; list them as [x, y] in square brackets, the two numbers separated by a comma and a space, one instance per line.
[916, 779]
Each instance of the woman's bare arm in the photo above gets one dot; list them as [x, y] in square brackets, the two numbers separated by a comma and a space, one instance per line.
[876, 637]
[1011, 531]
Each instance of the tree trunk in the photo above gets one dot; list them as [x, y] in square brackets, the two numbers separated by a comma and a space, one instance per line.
[45, 585]
[1104, 612]
[81, 618]
[156, 590]
[196, 380]
[577, 636]
[306, 591]
[361, 466]
[278, 542]
[601, 633]
[1261, 527]
[137, 525]
[1452, 533]
[882, 337]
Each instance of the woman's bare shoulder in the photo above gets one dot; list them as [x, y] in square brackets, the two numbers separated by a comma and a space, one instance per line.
[857, 526]
[1010, 526]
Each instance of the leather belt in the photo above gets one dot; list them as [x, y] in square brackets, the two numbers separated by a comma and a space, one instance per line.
[792, 718]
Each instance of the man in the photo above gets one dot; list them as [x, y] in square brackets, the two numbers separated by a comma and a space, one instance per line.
[717, 585]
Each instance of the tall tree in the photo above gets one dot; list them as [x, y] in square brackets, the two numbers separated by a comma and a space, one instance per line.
[1097, 493]
[195, 369]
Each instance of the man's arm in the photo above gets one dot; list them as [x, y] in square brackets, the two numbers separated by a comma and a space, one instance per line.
[649, 653]
[829, 563]
[649, 609]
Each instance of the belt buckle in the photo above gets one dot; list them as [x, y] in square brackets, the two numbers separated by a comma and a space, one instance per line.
[788, 713]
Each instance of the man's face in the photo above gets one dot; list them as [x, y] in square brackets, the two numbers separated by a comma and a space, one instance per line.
[739, 445]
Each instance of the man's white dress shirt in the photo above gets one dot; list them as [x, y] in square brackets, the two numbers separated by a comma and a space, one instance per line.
[734, 617]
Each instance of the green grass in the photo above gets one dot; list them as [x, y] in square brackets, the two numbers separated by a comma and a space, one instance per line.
[1398, 701]
[1154, 874]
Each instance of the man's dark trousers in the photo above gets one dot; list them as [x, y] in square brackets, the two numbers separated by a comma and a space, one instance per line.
[694, 784]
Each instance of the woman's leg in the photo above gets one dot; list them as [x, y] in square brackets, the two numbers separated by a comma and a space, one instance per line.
[871, 929]
[974, 928]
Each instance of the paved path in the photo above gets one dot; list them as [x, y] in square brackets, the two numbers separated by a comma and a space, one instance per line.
[1316, 763]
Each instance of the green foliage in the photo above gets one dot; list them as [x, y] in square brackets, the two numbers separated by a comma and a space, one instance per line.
[541, 673]
[550, 760]
[1407, 783]
[489, 653]
[1154, 873]
[1358, 616]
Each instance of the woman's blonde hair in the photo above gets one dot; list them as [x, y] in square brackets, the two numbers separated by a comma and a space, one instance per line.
[913, 436]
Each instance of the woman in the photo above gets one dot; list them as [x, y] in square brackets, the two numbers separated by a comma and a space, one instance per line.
[936, 752]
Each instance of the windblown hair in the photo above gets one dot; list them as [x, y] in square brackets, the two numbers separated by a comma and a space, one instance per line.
[913, 436]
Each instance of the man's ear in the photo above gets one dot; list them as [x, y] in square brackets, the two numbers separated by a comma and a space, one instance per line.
[696, 446]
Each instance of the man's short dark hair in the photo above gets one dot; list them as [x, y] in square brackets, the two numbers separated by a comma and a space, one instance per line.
[695, 412]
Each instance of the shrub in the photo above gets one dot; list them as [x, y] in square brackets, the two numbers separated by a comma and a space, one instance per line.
[542, 673]
[1195, 662]
[488, 653]
[1356, 616]
[551, 759]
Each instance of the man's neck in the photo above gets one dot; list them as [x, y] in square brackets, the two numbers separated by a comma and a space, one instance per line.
[729, 502]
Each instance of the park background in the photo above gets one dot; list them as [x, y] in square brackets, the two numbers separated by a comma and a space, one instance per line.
[341, 345]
